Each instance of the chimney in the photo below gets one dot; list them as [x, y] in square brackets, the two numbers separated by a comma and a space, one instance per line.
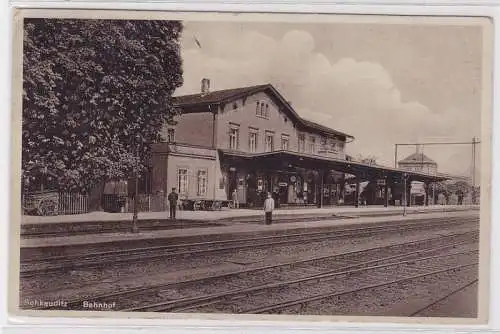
[205, 86]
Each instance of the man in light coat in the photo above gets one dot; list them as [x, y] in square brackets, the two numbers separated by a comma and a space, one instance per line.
[268, 209]
[236, 203]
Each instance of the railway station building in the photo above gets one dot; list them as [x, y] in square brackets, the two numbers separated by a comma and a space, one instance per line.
[250, 141]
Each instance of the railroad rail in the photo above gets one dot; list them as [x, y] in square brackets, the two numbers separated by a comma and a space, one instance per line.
[303, 270]
[448, 295]
[234, 301]
[277, 307]
[55, 264]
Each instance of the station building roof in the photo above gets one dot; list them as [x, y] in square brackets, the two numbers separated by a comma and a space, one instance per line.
[289, 159]
[204, 101]
[417, 158]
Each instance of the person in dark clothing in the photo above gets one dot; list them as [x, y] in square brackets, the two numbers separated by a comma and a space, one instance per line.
[276, 197]
[172, 200]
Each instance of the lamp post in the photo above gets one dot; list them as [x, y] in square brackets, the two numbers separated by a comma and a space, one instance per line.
[135, 227]
[405, 199]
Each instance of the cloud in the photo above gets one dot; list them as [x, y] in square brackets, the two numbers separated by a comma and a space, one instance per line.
[351, 95]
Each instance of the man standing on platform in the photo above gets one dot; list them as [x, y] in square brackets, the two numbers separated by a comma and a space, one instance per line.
[172, 200]
[236, 203]
[268, 209]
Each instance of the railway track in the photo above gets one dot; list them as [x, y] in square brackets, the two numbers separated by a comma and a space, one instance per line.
[261, 306]
[303, 270]
[36, 266]
[296, 291]
[443, 298]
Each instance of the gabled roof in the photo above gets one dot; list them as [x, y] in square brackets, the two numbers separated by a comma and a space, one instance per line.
[216, 96]
[417, 158]
[227, 95]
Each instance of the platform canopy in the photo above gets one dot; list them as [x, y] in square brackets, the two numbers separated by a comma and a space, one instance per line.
[281, 160]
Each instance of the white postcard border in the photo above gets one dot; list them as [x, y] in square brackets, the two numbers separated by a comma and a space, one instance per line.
[173, 325]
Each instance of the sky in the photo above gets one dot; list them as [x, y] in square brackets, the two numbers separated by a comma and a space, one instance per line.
[381, 83]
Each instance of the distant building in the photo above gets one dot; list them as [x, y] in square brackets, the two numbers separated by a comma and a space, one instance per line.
[418, 162]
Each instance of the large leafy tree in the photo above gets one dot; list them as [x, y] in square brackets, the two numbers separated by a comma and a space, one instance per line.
[96, 92]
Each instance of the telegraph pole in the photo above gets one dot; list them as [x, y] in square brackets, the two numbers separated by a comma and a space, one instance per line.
[395, 155]
[474, 161]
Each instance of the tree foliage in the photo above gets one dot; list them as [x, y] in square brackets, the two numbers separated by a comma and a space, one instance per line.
[95, 93]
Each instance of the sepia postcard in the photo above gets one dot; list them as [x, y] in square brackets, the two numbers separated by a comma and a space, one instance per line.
[254, 166]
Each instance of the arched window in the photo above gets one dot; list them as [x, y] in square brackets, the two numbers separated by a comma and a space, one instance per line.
[257, 108]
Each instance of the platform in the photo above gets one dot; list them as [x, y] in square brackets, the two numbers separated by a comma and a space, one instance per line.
[238, 213]
[236, 228]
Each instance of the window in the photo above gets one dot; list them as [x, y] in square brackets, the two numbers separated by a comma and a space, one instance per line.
[285, 142]
[171, 135]
[182, 180]
[341, 147]
[262, 109]
[269, 141]
[252, 140]
[234, 133]
[334, 146]
[323, 143]
[202, 182]
[312, 145]
[302, 142]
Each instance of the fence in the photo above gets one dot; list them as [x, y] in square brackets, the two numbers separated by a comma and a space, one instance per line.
[54, 203]
[71, 204]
